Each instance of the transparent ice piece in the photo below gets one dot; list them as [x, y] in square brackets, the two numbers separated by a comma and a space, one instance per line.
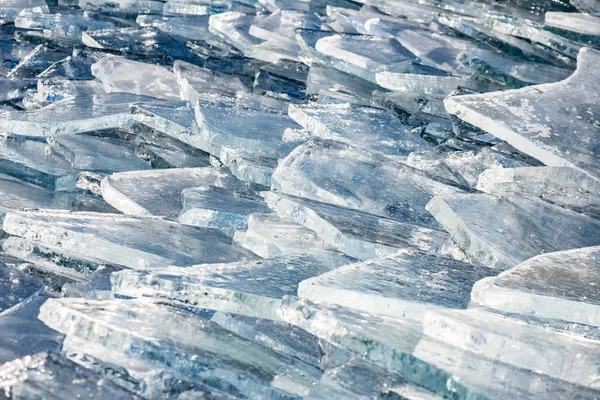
[271, 236]
[280, 27]
[179, 342]
[559, 285]
[33, 162]
[401, 285]
[95, 153]
[560, 355]
[195, 7]
[68, 24]
[357, 234]
[578, 22]
[122, 75]
[251, 288]
[128, 241]
[275, 335]
[563, 186]
[72, 115]
[248, 165]
[194, 27]
[36, 61]
[233, 27]
[534, 120]
[11, 8]
[49, 375]
[214, 207]
[366, 56]
[362, 127]
[229, 126]
[502, 232]
[123, 6]
[156, 192]
[343, 175]
[195, 81]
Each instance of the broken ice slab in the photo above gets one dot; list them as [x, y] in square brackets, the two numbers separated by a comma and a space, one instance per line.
[17, 288]
[357, 234]
[229, 126]
[122, 6]
[222, 209]
[275, 335]
[57, 261]
[343, 175]
[429, 83]
[461, 168]
[559, 355]
[558, 286]
[253, 288]
[268, 84]
[161, 152]
[51, 376]
[33, 162]
[188, 346]
[129, 241]
[578, 22]
[555, 123]
[67, 24]
[361, 380]
[14, 89]
[194, 27]
[195, 7]
[234, 27]
[483, 378]
[76, 66]
[365, 56]
[502, 232]
[401, 285]
[562, 186]
[40, 58]
[121, 75]
[271, 236]
[248, 165]
[72, 115]
[363, 127]
[51, 90]
[147, 42]
[587, 6]
[280, 27]
[96, 153]
[194, 81]
[158, 192]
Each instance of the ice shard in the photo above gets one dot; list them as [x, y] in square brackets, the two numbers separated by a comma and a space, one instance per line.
[559, 286]
[502, 232]
[563, 186]
[183, 344]
[363, 127]
[560, 355]
[357, 234]
[579, 22]
[343, 175]
[239, 288]
[214, 207]
[402, 285]
[148, 79]
[158, 192]
[17, 288]
[130, 241]
[555, 123]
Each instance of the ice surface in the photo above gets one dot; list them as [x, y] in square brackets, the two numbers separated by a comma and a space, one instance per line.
[157, 192]
[122, 75]
[130, 241]
[214, 207]
[502, 232]
[559, 285]
[347, 176]
[51, 376]
[554, 123]
[402, 285]
[358, 234]
[563, 186]
[363, 127]
[560, 355]
[183, 344]
[17, 288]
[578, 22]
[239, 288]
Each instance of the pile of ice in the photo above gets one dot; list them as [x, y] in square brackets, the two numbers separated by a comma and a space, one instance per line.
[284, 199]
